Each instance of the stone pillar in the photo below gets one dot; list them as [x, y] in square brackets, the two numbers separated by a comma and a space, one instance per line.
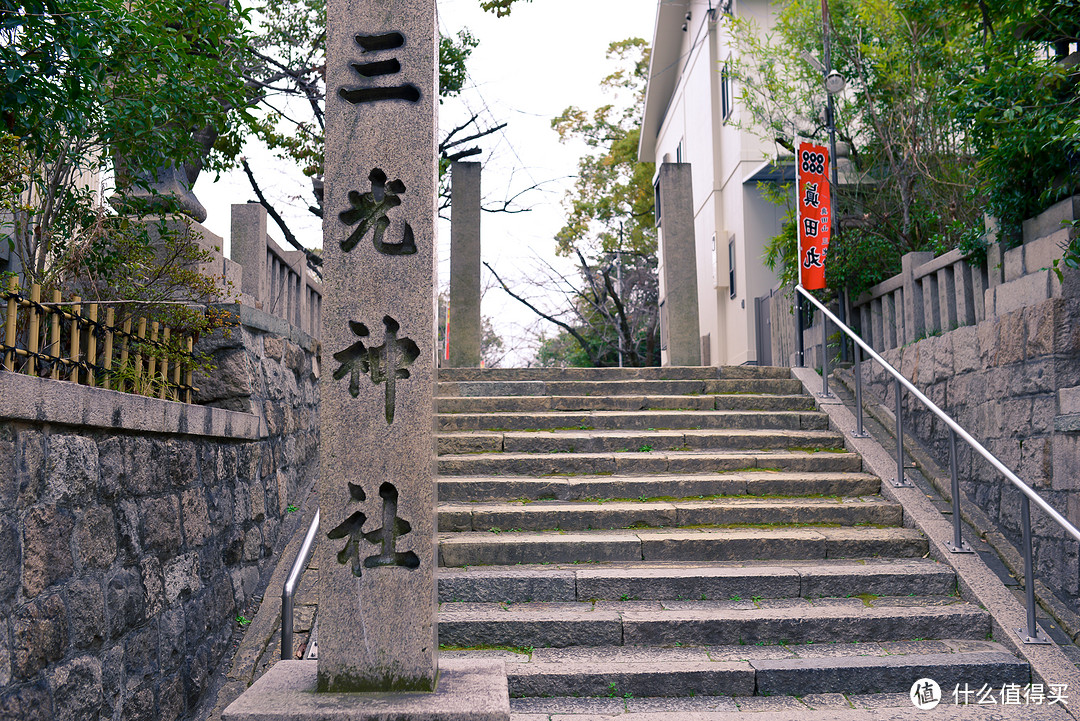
[465, 327]
[377, 617]
[914, 320]
[680, 265]
[378, 635]
[249, 247]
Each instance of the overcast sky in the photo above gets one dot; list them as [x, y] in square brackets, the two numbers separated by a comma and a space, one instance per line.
[528, 67]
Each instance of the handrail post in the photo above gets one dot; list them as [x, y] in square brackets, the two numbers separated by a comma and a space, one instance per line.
[825, 358]
[958, 544]
[288, 590]
[858, 432]
[799, 361]
[1031, 635]
[901, 480]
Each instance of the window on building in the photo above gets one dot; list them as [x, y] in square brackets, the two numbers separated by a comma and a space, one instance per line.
[731, 266]
[726, 99]
[656, 202]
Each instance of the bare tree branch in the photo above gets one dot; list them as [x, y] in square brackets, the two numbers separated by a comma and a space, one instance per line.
[445, 145]
[576, 335]
[312, 258]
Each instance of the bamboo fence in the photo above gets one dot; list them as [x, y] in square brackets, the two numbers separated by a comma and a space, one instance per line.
[67, 340]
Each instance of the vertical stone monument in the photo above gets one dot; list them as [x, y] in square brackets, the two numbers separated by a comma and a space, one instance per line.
[679, 255]
[378, 634]
[465, 324]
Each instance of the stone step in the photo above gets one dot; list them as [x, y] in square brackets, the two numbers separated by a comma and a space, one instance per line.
[578, 441]
[687, 580]
[708, 623]
[699, 544]
[865, 668]
[815, 707]
[577, 516]
[594, 374]
[634, 402]
[638, 463]
[625, 421]
[618, 387]
[685, 486]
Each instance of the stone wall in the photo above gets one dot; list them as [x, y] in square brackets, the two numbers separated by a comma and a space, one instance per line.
[136, 530]
[1011, 381]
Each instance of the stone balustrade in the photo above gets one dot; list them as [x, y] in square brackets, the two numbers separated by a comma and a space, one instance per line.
[275, 280]
[934, 295]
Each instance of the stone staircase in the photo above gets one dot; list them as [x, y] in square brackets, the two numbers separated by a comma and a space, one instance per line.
[686, 543]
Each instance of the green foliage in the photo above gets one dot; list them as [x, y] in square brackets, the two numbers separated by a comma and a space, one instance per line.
[1022, 108]
[610, 228]
[952, 110]
[290, 61]
[139, 74]
[611, 205]
[453, 54]
[562, 351]
[501, 8]
[92, 87]
[908, 182]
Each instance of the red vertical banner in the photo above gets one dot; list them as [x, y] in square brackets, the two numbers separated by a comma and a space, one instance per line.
[815, 213]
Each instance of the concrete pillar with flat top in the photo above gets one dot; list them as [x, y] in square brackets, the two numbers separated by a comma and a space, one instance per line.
[248, 238]
[676, 205]
[465, 321]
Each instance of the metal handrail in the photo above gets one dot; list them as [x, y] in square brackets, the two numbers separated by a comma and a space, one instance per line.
[1032, 634]
[288, 590]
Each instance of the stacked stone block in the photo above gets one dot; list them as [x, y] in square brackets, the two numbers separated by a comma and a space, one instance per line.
[129, 555]
[1003, 380]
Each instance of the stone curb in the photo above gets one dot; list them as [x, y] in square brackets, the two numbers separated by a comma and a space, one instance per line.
[976, 581]
[44, 400]
[260, 320]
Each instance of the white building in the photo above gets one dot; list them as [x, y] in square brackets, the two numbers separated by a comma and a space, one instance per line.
[690, 115]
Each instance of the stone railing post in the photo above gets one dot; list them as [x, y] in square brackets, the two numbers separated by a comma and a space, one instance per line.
[465, 323]
[249, 247]
[914, 318]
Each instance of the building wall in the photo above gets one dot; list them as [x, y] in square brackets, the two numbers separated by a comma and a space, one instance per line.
[136, 530]
[722, 156]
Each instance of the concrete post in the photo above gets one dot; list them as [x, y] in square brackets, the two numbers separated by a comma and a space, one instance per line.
[680, 295]
[914, 320]
[377, 622]
[249, 247]
[465, 328]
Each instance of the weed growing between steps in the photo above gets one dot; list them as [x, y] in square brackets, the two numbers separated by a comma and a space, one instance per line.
[810, 449]
[523, 650]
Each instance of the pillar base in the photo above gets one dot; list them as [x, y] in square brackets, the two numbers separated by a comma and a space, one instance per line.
[468, 690]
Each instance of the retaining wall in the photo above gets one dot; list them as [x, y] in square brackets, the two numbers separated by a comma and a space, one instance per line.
[133, 531]
[1013, 381]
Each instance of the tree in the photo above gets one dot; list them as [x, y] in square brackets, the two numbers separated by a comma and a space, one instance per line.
[909, 185]
[1020, 105]
[88, 81]
[611, 310]
[127, 89]
[952, 110]
[286, 78]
